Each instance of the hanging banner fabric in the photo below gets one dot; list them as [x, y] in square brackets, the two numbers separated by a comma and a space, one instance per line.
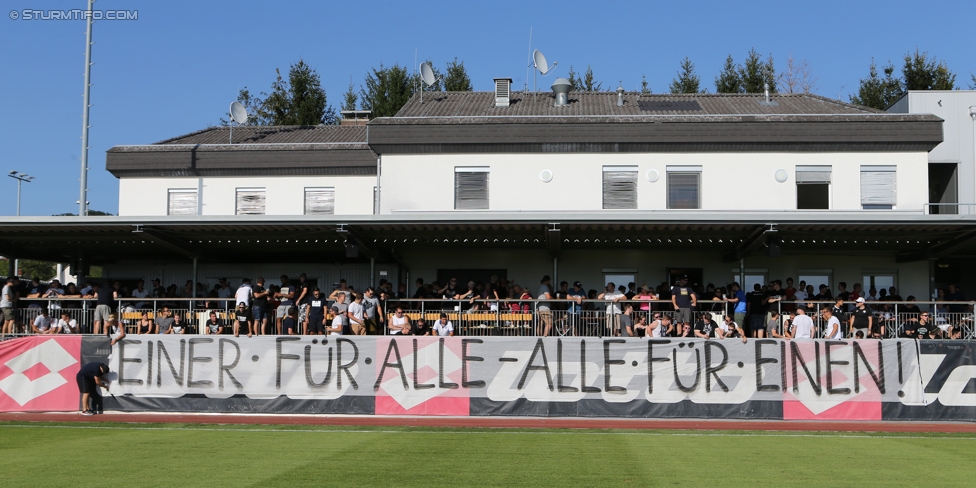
[38, 373]
[566, 377]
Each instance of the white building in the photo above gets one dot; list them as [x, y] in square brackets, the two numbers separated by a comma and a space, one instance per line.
[617, 186]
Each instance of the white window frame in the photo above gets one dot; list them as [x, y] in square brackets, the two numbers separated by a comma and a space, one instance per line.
[684, 171]
[468, 202]
[320, 190]
[182, 191]
[815, 175]
[237, 200]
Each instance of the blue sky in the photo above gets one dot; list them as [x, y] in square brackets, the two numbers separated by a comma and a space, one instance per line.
[177, 68]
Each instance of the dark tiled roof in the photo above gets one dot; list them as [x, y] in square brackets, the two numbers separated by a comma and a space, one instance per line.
[475, 104]
[274, 135]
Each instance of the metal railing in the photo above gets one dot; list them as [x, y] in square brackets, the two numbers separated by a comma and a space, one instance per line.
[519, 317]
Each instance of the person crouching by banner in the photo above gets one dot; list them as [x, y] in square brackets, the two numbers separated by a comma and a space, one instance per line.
[89, 378]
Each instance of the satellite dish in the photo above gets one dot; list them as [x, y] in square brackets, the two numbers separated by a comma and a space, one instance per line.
[238, 112]
[540, 63]
[427, 74]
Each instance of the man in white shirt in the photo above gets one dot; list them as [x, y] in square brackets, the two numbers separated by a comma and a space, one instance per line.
[802, 327]
[443, 327]
[43, 323]
[140, 292]
[243, 293]
[832, 332]
[66, 325]
[612, 296]
[53, 292]
[356, 313]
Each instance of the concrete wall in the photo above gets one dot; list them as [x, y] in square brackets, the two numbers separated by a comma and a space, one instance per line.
[957, 146]
[285, 194]
[729, 181]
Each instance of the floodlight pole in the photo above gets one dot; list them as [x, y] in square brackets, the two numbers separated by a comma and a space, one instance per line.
[83, 201]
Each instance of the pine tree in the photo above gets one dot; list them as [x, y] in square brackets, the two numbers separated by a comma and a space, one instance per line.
[645, 89]
[386, 90]
[687, 81]
[755, 73]
[254, 106]
[972, 85]
[350, 98]
[307, 100]
[877, 92]
[589, 83]
[457, 77]
[574, 81]
[729, 80]
[920, 72]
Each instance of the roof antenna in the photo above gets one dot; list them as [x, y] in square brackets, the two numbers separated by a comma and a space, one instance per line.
[541, 66]
[427, 77]
[237, 114]
[529, 56]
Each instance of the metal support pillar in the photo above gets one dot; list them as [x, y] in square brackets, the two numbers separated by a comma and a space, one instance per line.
[193, 287]
[372, 271]
[742, 274]
[555, 273]
[932, 294]
[11, 267]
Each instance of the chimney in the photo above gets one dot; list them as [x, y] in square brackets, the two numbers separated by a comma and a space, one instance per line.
[561, 88]
[620, 96]
[355, 117]
[503, 91]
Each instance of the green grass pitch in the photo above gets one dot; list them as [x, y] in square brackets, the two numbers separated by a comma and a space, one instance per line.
[172, 455]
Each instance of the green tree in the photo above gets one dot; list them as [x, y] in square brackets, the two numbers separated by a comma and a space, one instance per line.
[877, 92]
[386, 90]
[687, 81]
[729, 80]
[457, 77]
[42, 270]
[254, 106]
[755, 73]
[589, 83]
[574, 80]
[91, 213]
[922, 72]
[972, 85]
[299, 100]
[645, 89]
[350, 98]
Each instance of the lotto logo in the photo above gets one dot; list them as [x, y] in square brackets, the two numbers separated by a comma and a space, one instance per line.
[35, 374]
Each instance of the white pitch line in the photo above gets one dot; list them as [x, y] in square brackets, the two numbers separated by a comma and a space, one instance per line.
[480, 432]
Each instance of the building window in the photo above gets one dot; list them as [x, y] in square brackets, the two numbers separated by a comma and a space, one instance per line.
[813, 187]
[878, 279]
[877, 187]
[250, 201]
[684, 187]
[620, 187]
[182, 202]
[319, 201]
[470, 188]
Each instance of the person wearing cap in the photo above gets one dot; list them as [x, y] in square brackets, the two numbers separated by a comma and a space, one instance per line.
[43, 323]
[114, 330]
[683, 299]
[89, 377]
[576, 295]
[861, 319]
[802, 326]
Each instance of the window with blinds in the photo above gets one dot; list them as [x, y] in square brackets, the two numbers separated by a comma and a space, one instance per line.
[620, 187]
[250, 201]
[471, 188]
[684, 187]
[877, 187]
[813, 187]
[319, 201]
[182, 202]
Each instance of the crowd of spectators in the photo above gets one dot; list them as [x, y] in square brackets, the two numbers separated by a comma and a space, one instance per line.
[299, 307]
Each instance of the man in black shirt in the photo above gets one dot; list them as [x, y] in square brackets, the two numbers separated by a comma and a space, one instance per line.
[706, 328]
[420, 328]
[839, 310]
[259, 308]
[861, 320]
[317, 304]
[304, 293]
[756, 311]
[683, 299]
[89, 378]
[105, 297]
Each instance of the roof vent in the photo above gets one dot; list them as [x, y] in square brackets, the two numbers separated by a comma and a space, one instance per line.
[620, 95]
[766, 101]
[503, 91]
[561, 88]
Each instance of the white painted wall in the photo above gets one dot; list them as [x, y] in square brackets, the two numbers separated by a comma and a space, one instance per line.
[730, 181]
[285, 194]
[957, 146]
